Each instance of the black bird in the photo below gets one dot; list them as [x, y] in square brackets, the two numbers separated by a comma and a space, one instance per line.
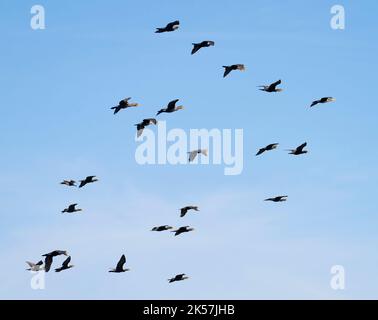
[322, 100]
[171, 107]
[89, 179]
[277, 199]
[299, 150]
[172, 26]
[228, 69]
[267, 148]
[49, 258]
[203, 44]
[69, 183]
[71, 209]
[65, 265]
[161, 228]
[35, 266]
[124, 104]
[184, 210]
[119, 268]
[182, 230]
[272, 87]
[146, 122]
[178, 277]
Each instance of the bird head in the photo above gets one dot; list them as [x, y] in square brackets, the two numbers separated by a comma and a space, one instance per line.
[169, 227]
[279, 90]
[179, 107]
[331, 99]
[65, 253]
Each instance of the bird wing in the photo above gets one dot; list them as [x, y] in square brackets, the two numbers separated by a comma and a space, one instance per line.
[121, 262]
[72, 206]
[48, 262]
[66, 262]
[171, 104]
[183, 211]
[227, 70]
[82, 183]
[314, 103]
[196, 47]
[262, 150]
[140, 131]
[274, 85]
[301, 147]
[192, 155]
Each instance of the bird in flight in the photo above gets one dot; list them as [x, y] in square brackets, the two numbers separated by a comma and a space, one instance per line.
[277, 199]
[69, 183]
[71, 209]
[49, 257]
[322, 100]
[228, 69]
[172, 26]
[203, 44]
[178, 277]
[89, 179]
[119, 268]
[171, 107]
[182, 230]
[299, 150]
[184, 210]
[146, 122]
[269, 147]
[35, 266]
[65, 265]
[193, 154]
[272, 87]
[161, 228]
[124, 104]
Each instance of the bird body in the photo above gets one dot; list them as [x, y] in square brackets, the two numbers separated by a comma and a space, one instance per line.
[171, 107]
[299, 150]
[124, 104]
[178, 277]
[35, 266]
[322, 100]
[272, 87]
[228, 69]
[172, 26]
[69, 183]
[89, 179]
[184, 210]
[203, 44]
[119, 268]
[161, 228]
[182, 230]
[277, 199]
[71, 209]
[269, 147]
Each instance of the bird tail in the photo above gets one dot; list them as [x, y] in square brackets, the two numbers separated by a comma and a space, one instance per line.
[159, 30]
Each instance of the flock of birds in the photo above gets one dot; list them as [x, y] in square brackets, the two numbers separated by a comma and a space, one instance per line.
[171, 107]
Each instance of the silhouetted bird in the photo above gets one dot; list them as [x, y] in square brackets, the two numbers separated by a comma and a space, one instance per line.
[271, 87]
[193, 154]
[161, 228]
[119, 268]
[124, 104]
[322, 100]
[178, 277]
[182, 230]
[267, 148]
[277, 199]
[172, 26]
[228, 69]
[184, 210]
[203, 44]
[71, 209]
[65, 265]
[35, 266]
[143, 124]
[49, 258]
[171, 107]
[70, 183]
[299, 150]
[89, 179]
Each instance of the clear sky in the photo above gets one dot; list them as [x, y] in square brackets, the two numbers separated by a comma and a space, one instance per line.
[59, 83]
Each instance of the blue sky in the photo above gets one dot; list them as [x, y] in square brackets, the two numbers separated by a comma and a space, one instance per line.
[59, 83]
